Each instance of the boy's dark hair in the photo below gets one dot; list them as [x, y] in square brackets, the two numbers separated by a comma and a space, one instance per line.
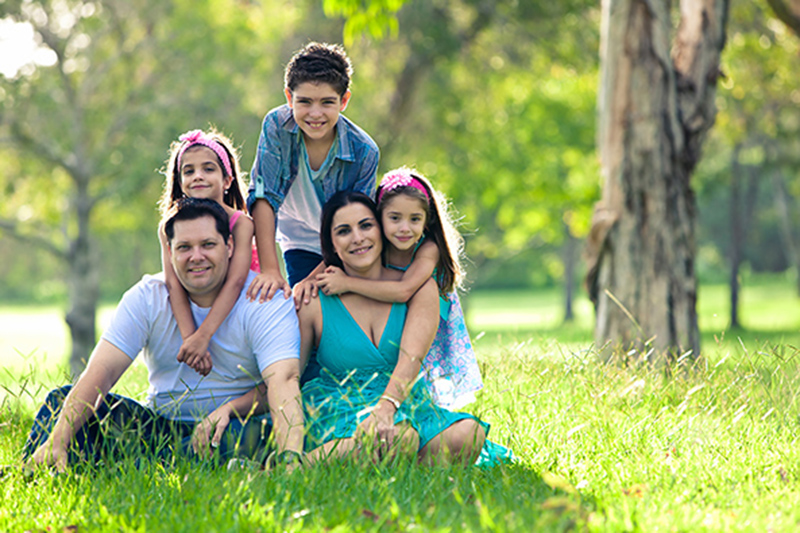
[320, 63]
[194, 208]
[336, 202]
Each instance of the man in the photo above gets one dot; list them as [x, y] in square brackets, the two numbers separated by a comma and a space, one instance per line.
[255, 340]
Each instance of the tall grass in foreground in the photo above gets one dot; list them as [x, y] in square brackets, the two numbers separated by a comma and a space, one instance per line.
[601, 448]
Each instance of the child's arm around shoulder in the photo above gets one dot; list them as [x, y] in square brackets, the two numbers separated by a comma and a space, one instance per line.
[335, 281]
[178, 299]
[195, 348]
[310, 318]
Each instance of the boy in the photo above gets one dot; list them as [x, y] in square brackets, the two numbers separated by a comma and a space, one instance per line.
[306, 153]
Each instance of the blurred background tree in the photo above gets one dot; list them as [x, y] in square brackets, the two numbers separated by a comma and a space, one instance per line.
[493, 100]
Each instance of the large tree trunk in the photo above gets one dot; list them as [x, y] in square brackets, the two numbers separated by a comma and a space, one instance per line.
[654, 113]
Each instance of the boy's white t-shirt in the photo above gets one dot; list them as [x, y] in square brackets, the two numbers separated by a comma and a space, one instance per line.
[299, 215]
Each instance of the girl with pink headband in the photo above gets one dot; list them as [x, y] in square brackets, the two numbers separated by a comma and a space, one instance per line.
[206, 165]
[421, 240]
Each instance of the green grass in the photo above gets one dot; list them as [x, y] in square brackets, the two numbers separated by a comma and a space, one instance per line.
[601, 447]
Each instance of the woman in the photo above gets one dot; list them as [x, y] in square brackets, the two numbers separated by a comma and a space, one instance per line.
[368, 398]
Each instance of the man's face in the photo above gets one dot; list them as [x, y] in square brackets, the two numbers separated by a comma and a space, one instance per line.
[200, 258]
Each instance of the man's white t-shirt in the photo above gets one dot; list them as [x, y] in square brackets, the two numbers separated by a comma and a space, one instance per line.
[252, 337]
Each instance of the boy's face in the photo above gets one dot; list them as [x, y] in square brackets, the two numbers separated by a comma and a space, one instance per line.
[316, 108]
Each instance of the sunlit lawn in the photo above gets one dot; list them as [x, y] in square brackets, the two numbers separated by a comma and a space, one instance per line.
[600, 447]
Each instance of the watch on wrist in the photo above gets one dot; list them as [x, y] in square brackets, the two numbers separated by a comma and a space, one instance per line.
[289, 457]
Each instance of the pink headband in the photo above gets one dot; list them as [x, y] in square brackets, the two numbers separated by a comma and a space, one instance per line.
[194, 137]
[401, 177]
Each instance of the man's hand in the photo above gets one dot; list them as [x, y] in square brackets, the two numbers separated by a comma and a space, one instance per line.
[304, 291]
[50, 454]
[333, 281]
[194, 352]
[379, 425]
[268, 283]
[208, 433]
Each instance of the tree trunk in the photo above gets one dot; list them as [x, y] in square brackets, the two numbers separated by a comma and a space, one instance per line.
[569, 258]
[741, 214]
[736, 239]
[83, 283]
[654, 112]
[782, 200]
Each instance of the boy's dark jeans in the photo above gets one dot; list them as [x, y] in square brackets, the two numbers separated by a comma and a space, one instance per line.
[299, 264]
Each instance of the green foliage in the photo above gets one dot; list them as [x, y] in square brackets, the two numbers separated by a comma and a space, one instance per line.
[504, 120]
[758, 127]
[376, 17]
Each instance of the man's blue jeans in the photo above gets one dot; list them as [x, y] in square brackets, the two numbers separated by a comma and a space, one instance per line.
[122, 427]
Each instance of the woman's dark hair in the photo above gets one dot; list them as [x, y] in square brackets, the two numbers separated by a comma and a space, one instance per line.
[336, 202]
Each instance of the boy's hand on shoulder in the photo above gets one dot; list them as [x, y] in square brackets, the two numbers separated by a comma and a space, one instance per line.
[194, 352]
[267, 284]
[304, 291]
[333, 281]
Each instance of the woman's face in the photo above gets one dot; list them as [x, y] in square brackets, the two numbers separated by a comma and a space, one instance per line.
[356, 236]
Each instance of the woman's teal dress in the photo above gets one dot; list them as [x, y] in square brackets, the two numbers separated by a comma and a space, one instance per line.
[355, 374]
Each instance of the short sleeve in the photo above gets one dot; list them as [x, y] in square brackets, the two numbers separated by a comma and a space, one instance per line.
[129, 328]
[274, 331]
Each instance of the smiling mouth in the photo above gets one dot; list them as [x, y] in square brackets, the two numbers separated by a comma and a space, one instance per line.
[361, 251]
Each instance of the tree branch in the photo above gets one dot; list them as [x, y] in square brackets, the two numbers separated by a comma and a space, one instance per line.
[14, 231]
[787, 12]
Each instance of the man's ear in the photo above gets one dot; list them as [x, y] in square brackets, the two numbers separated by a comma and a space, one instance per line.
[288, 92]
[230, 246]
[345, 100]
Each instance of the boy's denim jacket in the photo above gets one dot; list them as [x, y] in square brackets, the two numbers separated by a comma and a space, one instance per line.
[278, 154]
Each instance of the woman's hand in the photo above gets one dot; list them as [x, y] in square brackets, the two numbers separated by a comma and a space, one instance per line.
[194, 352]
[333, 281]
[379, 425]
[268, 283]
[209, 431]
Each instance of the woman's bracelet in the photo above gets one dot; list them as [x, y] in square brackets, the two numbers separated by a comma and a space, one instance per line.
[391, 401]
